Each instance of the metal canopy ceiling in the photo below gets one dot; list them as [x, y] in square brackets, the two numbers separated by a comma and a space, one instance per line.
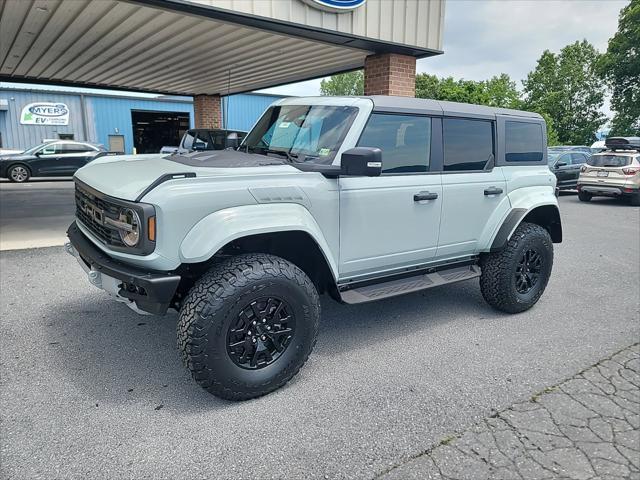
[167, 46]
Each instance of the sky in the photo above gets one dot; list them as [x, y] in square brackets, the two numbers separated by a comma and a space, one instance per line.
[483, 38]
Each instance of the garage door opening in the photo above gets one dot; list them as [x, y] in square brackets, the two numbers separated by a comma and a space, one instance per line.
[154, 130]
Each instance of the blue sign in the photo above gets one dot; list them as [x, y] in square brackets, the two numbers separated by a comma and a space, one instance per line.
[336, 6]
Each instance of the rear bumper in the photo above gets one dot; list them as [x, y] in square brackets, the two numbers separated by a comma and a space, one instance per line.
[607, 190]
[151, 291]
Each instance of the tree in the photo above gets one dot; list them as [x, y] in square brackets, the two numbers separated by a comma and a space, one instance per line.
[620, 67]
[567, 88]
[499, 91]
[351, 83]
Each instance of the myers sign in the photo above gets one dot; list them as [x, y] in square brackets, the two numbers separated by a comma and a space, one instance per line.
[45, 113]
[336, 6]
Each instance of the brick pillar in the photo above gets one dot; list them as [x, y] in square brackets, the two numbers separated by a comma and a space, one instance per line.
[207, 111]
[390, 74]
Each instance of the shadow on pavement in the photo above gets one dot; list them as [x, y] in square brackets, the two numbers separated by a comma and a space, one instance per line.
[116, 355]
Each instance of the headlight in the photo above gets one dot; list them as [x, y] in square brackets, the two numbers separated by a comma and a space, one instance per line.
[130, 235]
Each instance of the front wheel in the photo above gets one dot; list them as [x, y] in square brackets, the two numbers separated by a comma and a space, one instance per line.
[584, 196]
[513, 279]
[18, 174]
[248, 326]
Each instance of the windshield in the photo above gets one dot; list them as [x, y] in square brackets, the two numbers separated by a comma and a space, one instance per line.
[301, 133]
[609, 161]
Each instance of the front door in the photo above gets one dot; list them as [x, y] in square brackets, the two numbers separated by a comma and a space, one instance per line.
[391, 221]
[473, 191]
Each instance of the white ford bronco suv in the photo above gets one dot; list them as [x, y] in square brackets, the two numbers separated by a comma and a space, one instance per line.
[361, 198]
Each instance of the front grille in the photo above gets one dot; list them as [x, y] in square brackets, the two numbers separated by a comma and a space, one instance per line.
[101, 208]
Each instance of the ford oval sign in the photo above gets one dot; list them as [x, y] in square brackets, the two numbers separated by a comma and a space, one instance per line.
[336, 6]
[45, 113]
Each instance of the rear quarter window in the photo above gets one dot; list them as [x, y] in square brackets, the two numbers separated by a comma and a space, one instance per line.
[523, 142]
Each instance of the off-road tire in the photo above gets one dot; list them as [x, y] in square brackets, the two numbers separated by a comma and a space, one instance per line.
[15, 178]
[584, 196]
[634, 200]
[216, 300]
[498, 278]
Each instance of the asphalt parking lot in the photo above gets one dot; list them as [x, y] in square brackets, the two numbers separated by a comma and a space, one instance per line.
[36, 213]
[89, 389]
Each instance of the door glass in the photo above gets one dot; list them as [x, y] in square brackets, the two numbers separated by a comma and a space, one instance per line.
[578, 158]
[468, 144]
[523, 142]
[405, 141]
[49, 150]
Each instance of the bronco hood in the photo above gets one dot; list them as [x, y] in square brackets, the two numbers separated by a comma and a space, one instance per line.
[127, 176]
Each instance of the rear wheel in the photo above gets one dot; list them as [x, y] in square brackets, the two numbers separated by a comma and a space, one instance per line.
[513, 279]
[584, 196]
[635, 199]
[18, 173]
[248, 326]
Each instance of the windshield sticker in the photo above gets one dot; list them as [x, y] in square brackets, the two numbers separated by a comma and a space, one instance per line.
[323, 152]
[284, 125]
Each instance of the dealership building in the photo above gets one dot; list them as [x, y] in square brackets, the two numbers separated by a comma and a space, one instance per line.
[210, 48]
[121, 122]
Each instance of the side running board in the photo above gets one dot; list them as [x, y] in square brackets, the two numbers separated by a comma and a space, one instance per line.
[410, 284]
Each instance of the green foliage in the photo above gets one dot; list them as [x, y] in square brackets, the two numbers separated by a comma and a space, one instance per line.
[567, 88]
[499, 91]
[351, 83]
[620, 67]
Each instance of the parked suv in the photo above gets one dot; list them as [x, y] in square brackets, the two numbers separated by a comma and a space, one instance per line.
[50, 159]
[359, 198]
[566, 166]
[614, 172]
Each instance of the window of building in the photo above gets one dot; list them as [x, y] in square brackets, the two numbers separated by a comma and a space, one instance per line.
[523, 142]
[405, 141]
[468, 144]
[65, 136]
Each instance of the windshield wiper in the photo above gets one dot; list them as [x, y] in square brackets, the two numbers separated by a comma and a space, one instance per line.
[291, 157]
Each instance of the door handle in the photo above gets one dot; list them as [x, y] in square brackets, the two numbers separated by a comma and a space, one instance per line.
[418, 197]
[492, 191]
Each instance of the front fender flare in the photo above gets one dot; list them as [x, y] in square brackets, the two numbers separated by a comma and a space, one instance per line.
[216, 230]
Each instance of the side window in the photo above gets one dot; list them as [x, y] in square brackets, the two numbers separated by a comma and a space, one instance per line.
[188, 140]
[523, 142]
[51, 149]
[578, 158]
[405, 141]
[565, 158]
[468, 144]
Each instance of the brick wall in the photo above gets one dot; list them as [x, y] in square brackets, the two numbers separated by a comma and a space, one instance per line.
[207, 111]
[390, 74]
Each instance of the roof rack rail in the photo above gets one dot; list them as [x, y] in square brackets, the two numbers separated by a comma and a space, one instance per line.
[622, 143]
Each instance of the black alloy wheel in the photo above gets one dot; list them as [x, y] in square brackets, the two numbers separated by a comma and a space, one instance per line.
[528, 271]
[262, 332]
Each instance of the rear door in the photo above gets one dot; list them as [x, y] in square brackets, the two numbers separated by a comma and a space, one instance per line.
[473, 188]
[392, 221]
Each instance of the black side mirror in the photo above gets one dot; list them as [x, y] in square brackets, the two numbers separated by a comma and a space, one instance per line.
[199, 146]
[233, 141]
[362, 162]
[561, 164]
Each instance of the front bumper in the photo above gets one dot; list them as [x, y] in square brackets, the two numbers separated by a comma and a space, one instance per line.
[607, 190]
[150, 291]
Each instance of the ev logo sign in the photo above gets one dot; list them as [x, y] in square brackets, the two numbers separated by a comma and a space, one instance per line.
[44, 113]
[336, 6]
